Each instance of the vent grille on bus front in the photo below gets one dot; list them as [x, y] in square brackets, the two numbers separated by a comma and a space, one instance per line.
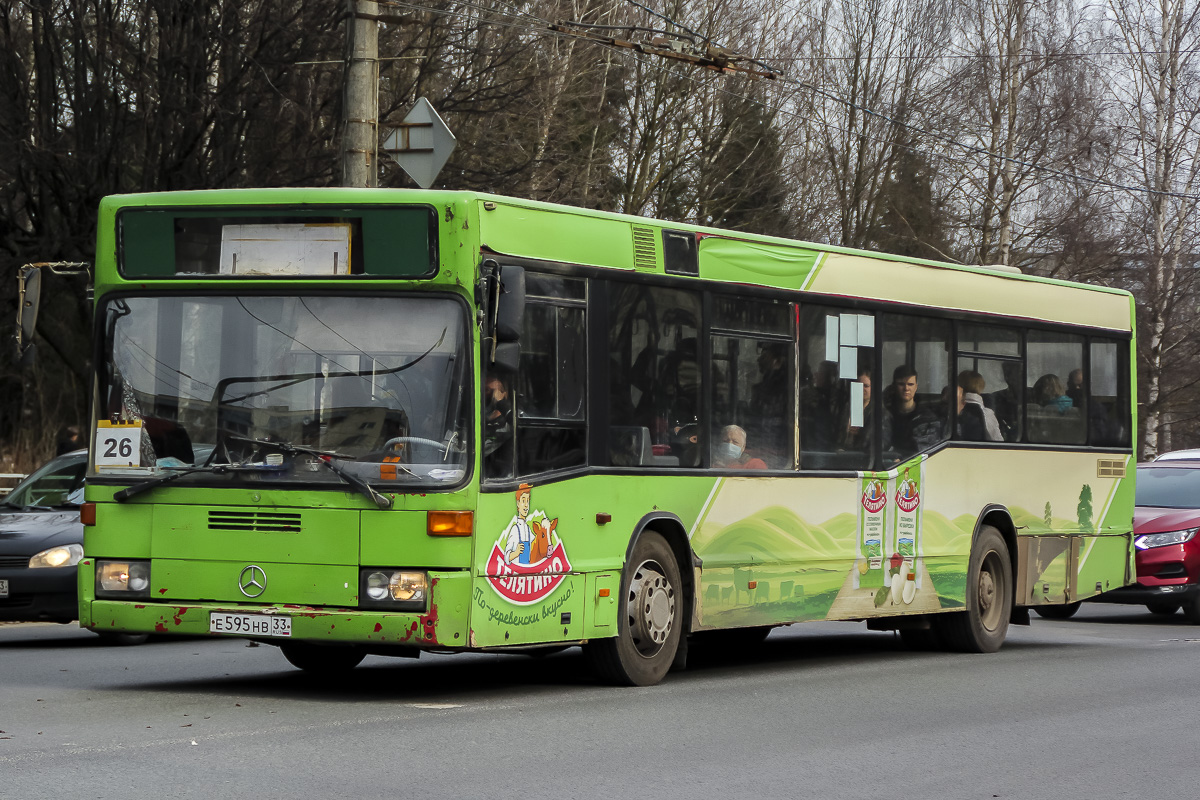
[644, 256]
[264, 521]
[1110, 468]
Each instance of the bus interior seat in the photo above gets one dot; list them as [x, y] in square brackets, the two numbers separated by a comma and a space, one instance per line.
[630, 446]
[1049, 425]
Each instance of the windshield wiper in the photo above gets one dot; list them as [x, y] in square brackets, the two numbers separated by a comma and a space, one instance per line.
[324, 457]
[151, 483]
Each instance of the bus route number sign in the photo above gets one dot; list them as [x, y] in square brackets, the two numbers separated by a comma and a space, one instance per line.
[118, 444]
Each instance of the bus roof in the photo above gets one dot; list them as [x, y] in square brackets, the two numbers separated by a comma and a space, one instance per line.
[518, 228]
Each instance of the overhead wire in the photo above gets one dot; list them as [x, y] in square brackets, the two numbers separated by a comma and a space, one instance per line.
[782, 79]
[963, 145]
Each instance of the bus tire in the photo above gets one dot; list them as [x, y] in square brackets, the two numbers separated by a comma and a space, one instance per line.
[321, 659]
[1057, 612]
[649, 621]
[983, 626]
[122, 639]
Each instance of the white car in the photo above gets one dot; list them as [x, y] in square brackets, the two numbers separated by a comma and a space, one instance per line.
[1179, 455]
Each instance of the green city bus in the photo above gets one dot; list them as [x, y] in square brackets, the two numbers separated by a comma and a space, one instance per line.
[350, 422]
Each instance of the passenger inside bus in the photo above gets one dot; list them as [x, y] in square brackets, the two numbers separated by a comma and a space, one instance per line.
[976, 422]
[858, 437]
[730, 451]
[1007, 402]
[912, 426]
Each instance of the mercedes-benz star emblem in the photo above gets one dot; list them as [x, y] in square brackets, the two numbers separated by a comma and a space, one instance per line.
[252, 581]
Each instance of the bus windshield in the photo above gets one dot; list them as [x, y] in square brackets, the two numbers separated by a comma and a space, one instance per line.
[378, 384]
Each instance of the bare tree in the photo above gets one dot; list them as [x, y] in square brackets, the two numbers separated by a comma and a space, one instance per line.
[1159, 89]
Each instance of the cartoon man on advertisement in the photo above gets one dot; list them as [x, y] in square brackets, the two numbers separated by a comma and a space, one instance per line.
[527, 562]
[518, 536]
[526, 542]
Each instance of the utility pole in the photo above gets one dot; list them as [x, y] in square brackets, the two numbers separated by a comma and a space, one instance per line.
[360, 109]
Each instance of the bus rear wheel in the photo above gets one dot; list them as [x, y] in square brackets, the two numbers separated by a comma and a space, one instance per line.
[649, 620]
[983, 626]
[320, 659]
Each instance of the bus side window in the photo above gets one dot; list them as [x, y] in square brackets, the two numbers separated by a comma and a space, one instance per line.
[654, 373]
[1108, 395]
[918, 394]
[753, 391]
[1055, 411]
[837, 388]
[551, 407]
[990, 373]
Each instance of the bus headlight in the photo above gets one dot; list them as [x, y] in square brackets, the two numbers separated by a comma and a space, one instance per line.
[403, 590]
[67, 555]
[122, 578]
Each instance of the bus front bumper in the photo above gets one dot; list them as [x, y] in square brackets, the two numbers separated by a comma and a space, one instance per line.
[266, 622]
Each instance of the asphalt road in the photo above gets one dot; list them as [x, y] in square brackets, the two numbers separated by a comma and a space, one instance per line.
[1095, 707]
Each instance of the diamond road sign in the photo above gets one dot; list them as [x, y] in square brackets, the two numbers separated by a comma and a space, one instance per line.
[421, 144]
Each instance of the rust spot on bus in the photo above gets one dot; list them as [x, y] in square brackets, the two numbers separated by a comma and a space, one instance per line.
[162, 590]
[429, 621]
[378, 627]
[160, 627]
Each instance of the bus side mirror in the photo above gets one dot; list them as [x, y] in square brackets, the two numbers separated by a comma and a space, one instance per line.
[508, 356]
[510, 304]
[29, 294]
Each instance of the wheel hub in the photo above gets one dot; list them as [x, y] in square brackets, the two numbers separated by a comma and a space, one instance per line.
[990, 603]
[651, 609]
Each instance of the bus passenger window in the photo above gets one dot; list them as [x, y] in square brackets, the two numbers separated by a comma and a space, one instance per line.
[654, 373]
[1051, 414]
[919, 397]
[753, 368]
[551, 382]
[1108, 395]
[837, 389]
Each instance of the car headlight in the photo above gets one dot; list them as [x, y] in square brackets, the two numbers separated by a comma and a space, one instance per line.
[403, 590]
[65, 555]
[122, 578]
[1146, 541]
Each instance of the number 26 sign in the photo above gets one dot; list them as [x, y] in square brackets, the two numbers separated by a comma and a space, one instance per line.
[118, 444]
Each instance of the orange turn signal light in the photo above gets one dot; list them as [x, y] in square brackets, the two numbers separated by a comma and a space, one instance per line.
[604, 592]
[87, 514]
[449, 523]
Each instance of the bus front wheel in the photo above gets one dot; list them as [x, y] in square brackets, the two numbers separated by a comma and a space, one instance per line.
[983, 626]
[321, 659]
[649, 620]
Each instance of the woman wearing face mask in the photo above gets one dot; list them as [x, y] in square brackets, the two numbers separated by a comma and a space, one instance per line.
[730, 452]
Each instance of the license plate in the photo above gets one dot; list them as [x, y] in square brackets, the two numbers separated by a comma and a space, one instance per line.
[249, 624]
[4, 588]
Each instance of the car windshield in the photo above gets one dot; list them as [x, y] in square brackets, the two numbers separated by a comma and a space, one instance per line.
[51, 486]
[378, 384]
[1168, 487]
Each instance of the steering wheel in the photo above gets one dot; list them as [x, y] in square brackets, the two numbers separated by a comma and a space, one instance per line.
[440, 447]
